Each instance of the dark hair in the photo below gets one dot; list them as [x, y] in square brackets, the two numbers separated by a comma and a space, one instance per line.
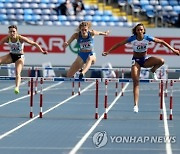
[13, 26]
[134, 29]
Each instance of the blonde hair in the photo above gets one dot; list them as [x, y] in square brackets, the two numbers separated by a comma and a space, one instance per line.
[84, 23]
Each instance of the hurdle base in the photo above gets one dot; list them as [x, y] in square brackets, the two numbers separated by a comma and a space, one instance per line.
[31, 115]
[105, 115]
[170, 117]
[161, 117]
[96, 116]
[40, 115]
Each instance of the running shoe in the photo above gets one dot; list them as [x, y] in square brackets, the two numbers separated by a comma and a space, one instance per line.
[16, 90]
[81, 75]
[154, 76]
[80, 70]
[136, 110]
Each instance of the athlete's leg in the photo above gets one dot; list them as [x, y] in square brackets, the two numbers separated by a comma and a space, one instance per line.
[6, 59]
[77, 64]
[154, 62]
[19, 66]
[91, 60]
[135, 72]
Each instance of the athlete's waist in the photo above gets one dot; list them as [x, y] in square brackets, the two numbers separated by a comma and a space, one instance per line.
[85, 51]
[13, 53]
[139, 54]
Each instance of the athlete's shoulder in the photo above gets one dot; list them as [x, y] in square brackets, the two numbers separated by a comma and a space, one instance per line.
[148, 37]
[131, 38]
[76, 35]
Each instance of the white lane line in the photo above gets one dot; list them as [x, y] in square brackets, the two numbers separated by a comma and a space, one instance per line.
[68, 99]
[20, 98]
[29, 121]
[10, 87]
[84, 138]
[166, 128]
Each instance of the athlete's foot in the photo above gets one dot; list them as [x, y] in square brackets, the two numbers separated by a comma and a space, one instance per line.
[154, 76]
[16, 90]
[81, 75]
[136, 110]
[80, 70]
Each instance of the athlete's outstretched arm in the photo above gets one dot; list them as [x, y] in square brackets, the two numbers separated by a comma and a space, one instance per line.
[177, 52]
[3, 40]
[25, 39]
[94, 32]
[72, 38]
[105, 53]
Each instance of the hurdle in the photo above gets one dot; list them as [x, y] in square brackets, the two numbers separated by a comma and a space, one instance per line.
[96, 100]
[171, 100]
[106, 80]
[31, 115]
[41, 98]
[161, 100]
[97, 81]
[117, 69]
[105, 99]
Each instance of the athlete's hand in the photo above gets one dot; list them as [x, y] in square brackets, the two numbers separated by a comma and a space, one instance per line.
[45, 52]
[107, 32]
[65, 44]
[177, 52]
[104, 53]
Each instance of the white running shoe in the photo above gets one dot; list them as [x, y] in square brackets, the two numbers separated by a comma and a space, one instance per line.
[154, 76]
[136, 109]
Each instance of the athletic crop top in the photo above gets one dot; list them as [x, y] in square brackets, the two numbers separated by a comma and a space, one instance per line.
[85, 43]
[140, 46]
[16, 47]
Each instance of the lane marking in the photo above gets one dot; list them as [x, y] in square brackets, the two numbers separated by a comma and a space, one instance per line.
[10, 87]
[84, 138]
[20, 98]
[166, 127]
[45, 112]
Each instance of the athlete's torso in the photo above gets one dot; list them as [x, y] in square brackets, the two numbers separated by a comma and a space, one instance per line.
[140, 46]
[16, 47]
[85, 44]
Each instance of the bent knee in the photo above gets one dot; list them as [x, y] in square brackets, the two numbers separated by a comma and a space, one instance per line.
[18, 75]
[135, 82]
[162, 61]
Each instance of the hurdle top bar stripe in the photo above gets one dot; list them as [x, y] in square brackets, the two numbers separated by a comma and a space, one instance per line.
[104, 79]
[13, 78]
[98, 69]
[95, 68]
[9, 67]
[87, 79]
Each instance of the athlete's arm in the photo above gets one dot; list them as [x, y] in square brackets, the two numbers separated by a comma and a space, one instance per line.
[72, 38]
[114, 47]
[94, 32]
[177, 52]
[25, 39]
[3, 40]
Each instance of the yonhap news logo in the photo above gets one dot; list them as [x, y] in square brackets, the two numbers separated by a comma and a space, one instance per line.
[101, 138]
